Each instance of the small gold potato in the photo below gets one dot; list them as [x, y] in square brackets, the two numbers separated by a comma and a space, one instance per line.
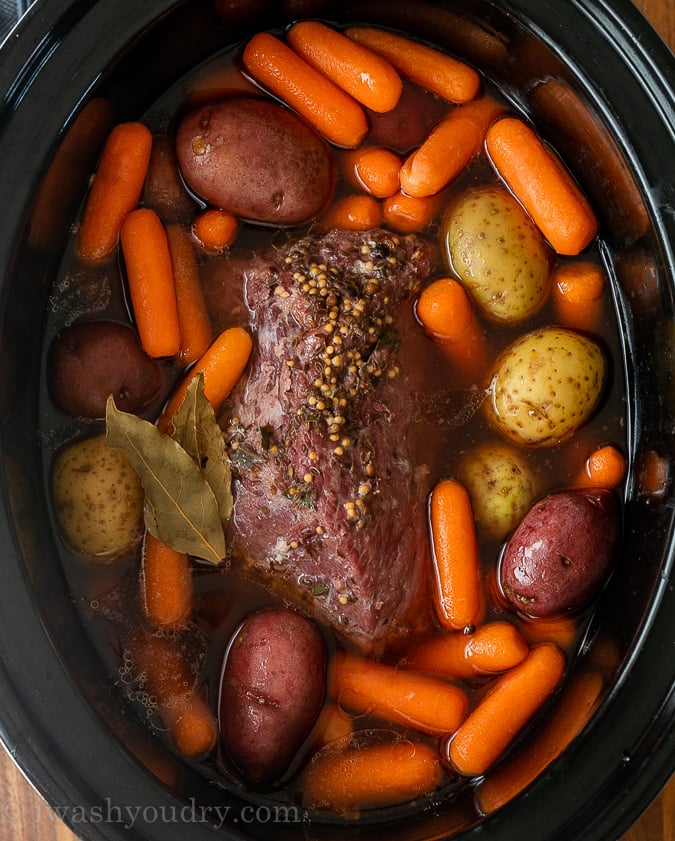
[98, 499]
[498, 254]
[546, 385]
[501, 484]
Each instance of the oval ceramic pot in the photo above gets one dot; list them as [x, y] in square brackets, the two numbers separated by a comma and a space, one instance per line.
[611, 113]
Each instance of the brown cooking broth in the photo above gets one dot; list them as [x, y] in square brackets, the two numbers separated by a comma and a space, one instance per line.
[448, 425]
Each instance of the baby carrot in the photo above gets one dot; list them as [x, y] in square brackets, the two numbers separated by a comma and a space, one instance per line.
[370, 776]
[215, 229]
[541, 183]
[578, 290]
[333, 724]
[654, 474]
[497, 719]
[450, 146]
[605, 467]
[115, 191]
[222, 364]
[491, 648]
[167, 584]
[353, 213]
[561, 630]
[409, 214]
[332, 112]
[431, 69]
[169, 678]
[455, 556]
[405, 697]
[193, 316]
[447, 314]
[376, 169]
[567, 719]
[362, 73]
[151, 284]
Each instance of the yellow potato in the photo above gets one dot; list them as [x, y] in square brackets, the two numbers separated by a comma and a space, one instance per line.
[546, 385]
[98, 499]
[498, 254]
[501, 484]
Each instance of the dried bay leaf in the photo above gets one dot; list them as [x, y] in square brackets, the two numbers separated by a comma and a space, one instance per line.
[181, 508]
[197, 431]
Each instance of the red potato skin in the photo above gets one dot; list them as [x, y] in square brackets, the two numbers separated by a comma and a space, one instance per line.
[90, 360]
[561, 553]
[255, 159]
[272, 690]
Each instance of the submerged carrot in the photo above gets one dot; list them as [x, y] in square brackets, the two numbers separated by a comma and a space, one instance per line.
[405, 697]
[333, 724]
[605, 467]
[215, 229]
[447, 314]
[353, 213]
[222, 365]
[376, 169]
[541, 183]
[115, 191]
[363, 74]
[567, 719]
[497, 719]
[195, 324]
[490, 649]
[332, 112]
[561, 630]
[431, 69]
[167, 675]
[449, 147]
[167, 584]
[151, 284]
[370, 776]
[578, 290]
[455, 556]
[409, 214]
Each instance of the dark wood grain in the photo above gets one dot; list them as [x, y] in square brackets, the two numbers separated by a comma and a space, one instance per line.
[24, 815]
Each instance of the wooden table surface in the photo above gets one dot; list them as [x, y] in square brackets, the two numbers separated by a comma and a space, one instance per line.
[24, 815]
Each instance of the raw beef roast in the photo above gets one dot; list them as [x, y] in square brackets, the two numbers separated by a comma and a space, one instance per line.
[328, 503]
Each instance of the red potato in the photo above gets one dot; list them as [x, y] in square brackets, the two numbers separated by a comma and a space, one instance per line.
[90, 360]
[164, 191]
[561, 553]
[272, 690]
[255, 159]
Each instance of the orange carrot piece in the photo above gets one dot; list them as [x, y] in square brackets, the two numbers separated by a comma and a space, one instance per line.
[497, 719]
[332, 112]
[456, 561]
[370, 776]
[450, 146]
[168, 676]
[215, 229]
[578, 291]
[167, 584]
[333, 724]
[151, 284]
[222, 365]
[541, 183]
[409, 214]
[429, 68]
[490, 649]
[353, 213]
[445, 311]
[375, 169]
[605, 467]
[561, 630]
[574, 709]
[196, 333]
[363, 74]
[654, 474]
[405, 697]
[115, 191]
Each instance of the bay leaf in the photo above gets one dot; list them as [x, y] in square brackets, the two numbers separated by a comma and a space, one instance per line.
[197, 431]
[181, 509]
